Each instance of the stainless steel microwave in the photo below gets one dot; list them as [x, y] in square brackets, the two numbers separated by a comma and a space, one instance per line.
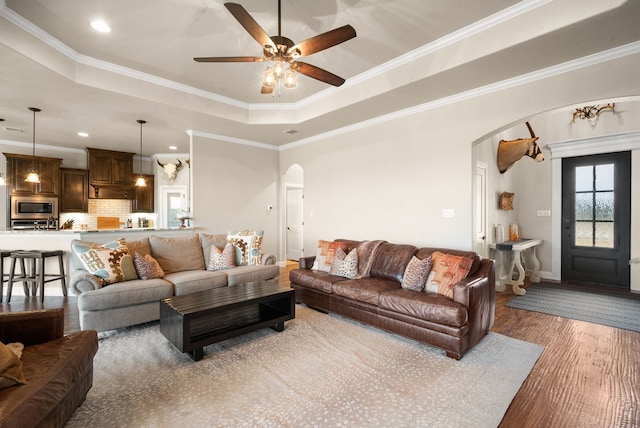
[33, 207]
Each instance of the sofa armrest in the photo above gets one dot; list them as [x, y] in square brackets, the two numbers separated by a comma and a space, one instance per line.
[80, 281]
[307, 262]
[478, 293]
[31, 327]
[268, 259]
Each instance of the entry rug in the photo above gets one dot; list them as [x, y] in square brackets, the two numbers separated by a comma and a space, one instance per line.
[612, 311]
[321, 371]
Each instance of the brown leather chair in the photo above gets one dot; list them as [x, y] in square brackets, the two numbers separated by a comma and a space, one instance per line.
[58, 369]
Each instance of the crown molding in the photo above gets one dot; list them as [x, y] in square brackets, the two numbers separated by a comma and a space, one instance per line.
[610, 143]
[192, 133]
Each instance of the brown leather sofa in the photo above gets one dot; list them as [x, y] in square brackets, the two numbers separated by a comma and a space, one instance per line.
[379, 300]
[58, 369]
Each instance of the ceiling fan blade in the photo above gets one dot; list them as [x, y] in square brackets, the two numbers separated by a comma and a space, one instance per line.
[322, 41]
[229, 59]
[266, 90]
[249, 24]
[317, 73]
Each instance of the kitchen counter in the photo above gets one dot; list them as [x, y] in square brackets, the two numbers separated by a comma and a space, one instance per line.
[96, 231]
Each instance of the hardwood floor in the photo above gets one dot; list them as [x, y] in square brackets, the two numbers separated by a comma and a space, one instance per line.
[587, 376]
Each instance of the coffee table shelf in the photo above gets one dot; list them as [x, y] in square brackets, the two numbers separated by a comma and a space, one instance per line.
[195, 320]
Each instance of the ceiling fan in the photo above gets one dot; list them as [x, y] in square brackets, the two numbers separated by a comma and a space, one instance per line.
[282, 50]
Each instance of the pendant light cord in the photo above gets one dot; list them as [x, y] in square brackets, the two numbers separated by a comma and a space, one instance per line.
[33, 149]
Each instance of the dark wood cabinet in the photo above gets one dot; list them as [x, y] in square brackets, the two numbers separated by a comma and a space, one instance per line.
[110, 174]
[18, 167]
[74, 190]
[143, 199]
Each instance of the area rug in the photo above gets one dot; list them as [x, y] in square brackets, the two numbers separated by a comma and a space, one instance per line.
[321, 371]
[597, 308]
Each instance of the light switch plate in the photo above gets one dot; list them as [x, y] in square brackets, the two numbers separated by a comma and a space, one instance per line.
[544, 213]
[447, 213]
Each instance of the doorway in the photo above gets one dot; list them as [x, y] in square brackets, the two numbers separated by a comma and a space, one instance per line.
[596, 218]
[173, 203]
[294, 213]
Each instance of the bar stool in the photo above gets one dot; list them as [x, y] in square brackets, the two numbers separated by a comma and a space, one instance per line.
[3, 254]
[36, 275]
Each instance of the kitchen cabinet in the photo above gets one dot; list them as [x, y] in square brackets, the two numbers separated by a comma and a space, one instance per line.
[74, 190]
[143, 197]
[110, 174]
[18, 167]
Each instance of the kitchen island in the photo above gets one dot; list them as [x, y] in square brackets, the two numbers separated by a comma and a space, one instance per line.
[61, 240]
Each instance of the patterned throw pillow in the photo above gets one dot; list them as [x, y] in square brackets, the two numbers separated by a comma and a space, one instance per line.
[446, 271]
[416, 273]
[147, 266]
[345, 264]
[248, 246]
[325, 253]
[109, 262]
[225, 259]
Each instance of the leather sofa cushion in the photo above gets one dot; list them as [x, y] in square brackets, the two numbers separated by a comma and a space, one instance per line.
[390, 261]
[365, 290]
[318, 280]
[426, 306]
[52, 369]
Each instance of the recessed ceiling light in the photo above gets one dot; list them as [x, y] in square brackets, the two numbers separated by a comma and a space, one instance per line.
[83, 134]
[173, 147]
[100, 26]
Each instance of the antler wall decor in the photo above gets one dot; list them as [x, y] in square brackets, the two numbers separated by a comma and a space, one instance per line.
[592, 112]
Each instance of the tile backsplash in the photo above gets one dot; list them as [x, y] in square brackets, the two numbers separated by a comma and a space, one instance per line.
[120, 208]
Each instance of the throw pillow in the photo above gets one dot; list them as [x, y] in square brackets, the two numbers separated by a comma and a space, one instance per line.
[225, 259]
[10, 365]
[447, 271]
[147, 266]
[416, 273]
[248, 246]
[345, 264]
[109, 262]
[325, 253]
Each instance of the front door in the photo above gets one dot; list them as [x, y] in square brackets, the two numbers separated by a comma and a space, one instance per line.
[596, 218]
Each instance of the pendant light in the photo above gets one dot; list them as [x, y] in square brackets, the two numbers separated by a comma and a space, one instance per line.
[140, 182]
[33, 176]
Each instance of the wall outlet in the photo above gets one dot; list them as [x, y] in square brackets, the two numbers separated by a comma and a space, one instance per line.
[448, 213]
[544, 213]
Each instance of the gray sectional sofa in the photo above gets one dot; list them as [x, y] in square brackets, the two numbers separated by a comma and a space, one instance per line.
[184, 261]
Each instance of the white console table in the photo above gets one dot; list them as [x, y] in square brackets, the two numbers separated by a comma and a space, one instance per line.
[515, 249]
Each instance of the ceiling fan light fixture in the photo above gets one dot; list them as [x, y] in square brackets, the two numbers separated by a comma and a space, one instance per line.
[278, 69]
[290, 79]
[269, 79]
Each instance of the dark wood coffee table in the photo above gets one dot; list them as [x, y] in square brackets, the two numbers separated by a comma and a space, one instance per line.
[192, 321]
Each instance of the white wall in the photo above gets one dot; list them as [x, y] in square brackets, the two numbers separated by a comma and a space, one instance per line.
[232, 187]
[391, 180]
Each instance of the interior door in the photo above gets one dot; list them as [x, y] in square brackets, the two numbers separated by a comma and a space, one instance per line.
[294, 223]
[596, 216]
[480, 209]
